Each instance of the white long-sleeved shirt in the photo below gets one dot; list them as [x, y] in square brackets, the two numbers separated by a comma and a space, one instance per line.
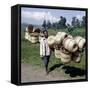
[44, 47]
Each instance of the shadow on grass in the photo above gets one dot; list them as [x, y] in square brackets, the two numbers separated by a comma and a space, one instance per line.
[55, 66]
[72, 71]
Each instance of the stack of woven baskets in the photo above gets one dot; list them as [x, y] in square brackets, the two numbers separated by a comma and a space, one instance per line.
[32, 34]
[66, 47]
[34, 37]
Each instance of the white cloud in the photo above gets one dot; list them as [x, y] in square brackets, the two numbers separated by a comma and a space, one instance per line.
[79, 17]
[39, 15]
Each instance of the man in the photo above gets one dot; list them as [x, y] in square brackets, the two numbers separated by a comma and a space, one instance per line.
[45, 50]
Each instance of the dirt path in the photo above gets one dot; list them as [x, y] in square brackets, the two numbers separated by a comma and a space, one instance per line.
[33, 74]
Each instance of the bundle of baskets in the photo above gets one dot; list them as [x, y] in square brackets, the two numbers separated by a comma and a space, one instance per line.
[66, 47]
[32, 34]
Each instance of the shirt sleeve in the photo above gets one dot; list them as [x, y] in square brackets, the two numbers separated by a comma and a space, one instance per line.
[41, 46]
[42, 49]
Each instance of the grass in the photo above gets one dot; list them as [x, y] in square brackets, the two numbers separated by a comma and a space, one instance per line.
[75, 32]
[30, 52]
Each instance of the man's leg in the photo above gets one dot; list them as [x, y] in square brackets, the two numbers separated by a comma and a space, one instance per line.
[47, 64]
[46, 61]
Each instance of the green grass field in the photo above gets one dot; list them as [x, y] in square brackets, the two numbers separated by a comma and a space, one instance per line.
[75, 32]
[30, 52]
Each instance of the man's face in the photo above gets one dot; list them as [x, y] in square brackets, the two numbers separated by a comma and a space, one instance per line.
[46, 34]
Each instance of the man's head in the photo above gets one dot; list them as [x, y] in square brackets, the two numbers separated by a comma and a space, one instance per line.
[45, 34]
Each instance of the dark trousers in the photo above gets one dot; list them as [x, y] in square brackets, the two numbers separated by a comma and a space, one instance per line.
[46, 61]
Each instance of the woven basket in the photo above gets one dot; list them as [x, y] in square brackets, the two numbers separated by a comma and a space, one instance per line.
[30, 28]
[70, 44]
[60, 37]
[80, 42]
[57, 53]
[70, 36]
[34, 39]
[26, 35]
[57, 46]
[34, 34]
[65, 55]
[65, 60]
[37, 30]
[29, 38]
[51, 41]
[76, 57]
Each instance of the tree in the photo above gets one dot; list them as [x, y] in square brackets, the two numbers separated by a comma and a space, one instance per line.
[77, 23]
[69, 28]
[73, 22]
[44, 24]
[49, 24]
[55, 25]
[62, 22]
[83, 21]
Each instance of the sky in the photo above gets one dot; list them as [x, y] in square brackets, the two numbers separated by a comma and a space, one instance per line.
[37, 15]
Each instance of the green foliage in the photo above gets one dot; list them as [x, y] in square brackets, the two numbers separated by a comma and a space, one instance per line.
[74, 32]
[79, 32]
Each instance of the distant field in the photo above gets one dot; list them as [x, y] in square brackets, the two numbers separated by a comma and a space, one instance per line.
[75, 32]
[30, 52]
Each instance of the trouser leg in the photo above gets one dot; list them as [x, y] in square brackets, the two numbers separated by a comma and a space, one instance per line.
[46, 61]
